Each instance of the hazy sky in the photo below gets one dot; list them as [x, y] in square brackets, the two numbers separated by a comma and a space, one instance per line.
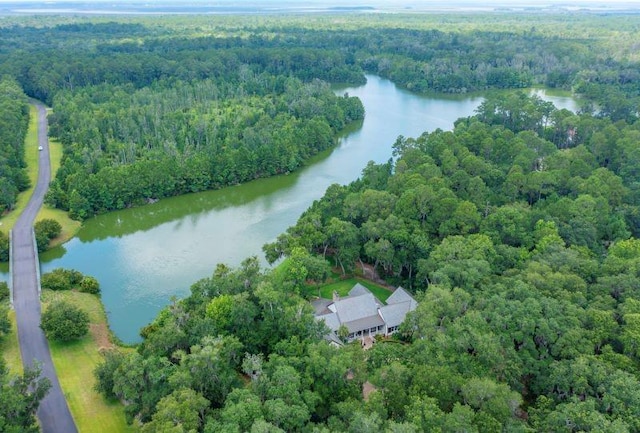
[381, 4]
[347, 2]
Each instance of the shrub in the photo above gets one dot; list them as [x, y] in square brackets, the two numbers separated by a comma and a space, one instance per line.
[46, 230]
[4, 247]
[4, 291]
[5, 324]
[89, 285]
[64, 279]
[58, 279]
[74, 277]
[64, 322]
[105, 373]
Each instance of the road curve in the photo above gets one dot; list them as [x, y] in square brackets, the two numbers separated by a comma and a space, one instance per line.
[53, 413]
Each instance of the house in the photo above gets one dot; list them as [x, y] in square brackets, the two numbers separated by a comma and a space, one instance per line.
[362, 314]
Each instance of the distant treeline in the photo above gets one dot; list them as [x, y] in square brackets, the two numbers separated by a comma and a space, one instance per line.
[48, 59]
[149, 111]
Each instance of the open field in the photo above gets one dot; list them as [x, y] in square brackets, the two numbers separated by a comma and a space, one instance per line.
[75, 363]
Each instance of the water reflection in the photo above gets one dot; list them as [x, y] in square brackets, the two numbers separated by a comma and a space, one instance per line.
[143, 256]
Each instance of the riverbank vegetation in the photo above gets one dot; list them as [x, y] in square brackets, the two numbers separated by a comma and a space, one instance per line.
[151, 107]
[189, 137]
[517, 231]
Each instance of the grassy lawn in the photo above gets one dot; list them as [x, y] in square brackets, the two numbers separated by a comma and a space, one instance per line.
[10, 348]
[75, 363]
[342, 287]
[69, 227]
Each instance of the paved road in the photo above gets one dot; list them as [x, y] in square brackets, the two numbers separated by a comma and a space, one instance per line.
[53, 413]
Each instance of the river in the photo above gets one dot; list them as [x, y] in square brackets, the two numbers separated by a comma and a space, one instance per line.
[144, 256]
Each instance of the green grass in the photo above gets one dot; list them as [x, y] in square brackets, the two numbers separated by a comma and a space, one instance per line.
[10, 348]
[75, 363]
[69, 227]
[342, 287]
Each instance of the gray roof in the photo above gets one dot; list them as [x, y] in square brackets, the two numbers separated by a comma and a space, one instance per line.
[333, 338]
[321, 306]
[364, 323]
[356, 307]
[361, 310]
[331, 320]
[395, 314]
[400, 295]
[358, 290]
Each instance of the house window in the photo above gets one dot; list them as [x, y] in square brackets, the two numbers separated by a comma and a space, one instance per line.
[373, 330]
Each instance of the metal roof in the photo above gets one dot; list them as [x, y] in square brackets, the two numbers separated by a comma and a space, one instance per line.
[400, 295]
[331, 320]
[356, 307]
[358, 290]
[361, 310]
[321, 306]
[395, 314]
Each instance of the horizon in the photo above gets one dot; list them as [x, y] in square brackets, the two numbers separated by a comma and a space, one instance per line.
[375, 4]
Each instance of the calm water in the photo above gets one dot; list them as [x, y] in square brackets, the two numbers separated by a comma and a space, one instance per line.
[144, 256]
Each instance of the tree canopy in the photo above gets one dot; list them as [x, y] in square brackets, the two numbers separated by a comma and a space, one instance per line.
[517, 231]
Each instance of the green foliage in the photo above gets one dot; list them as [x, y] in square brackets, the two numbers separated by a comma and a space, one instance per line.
[4, 291]
[244, 127]
[67, 279]
[5, 323]
[46, 230]
[515, 229]
[19, 399]
[104, 373]
[183, 409]
[89, 284]
[4, 247]
[64, 322]
[14, 121]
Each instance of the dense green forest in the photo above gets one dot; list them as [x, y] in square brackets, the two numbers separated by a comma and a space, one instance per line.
[151, 108]
[517, 231]
[14, 118]
[176, 137]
